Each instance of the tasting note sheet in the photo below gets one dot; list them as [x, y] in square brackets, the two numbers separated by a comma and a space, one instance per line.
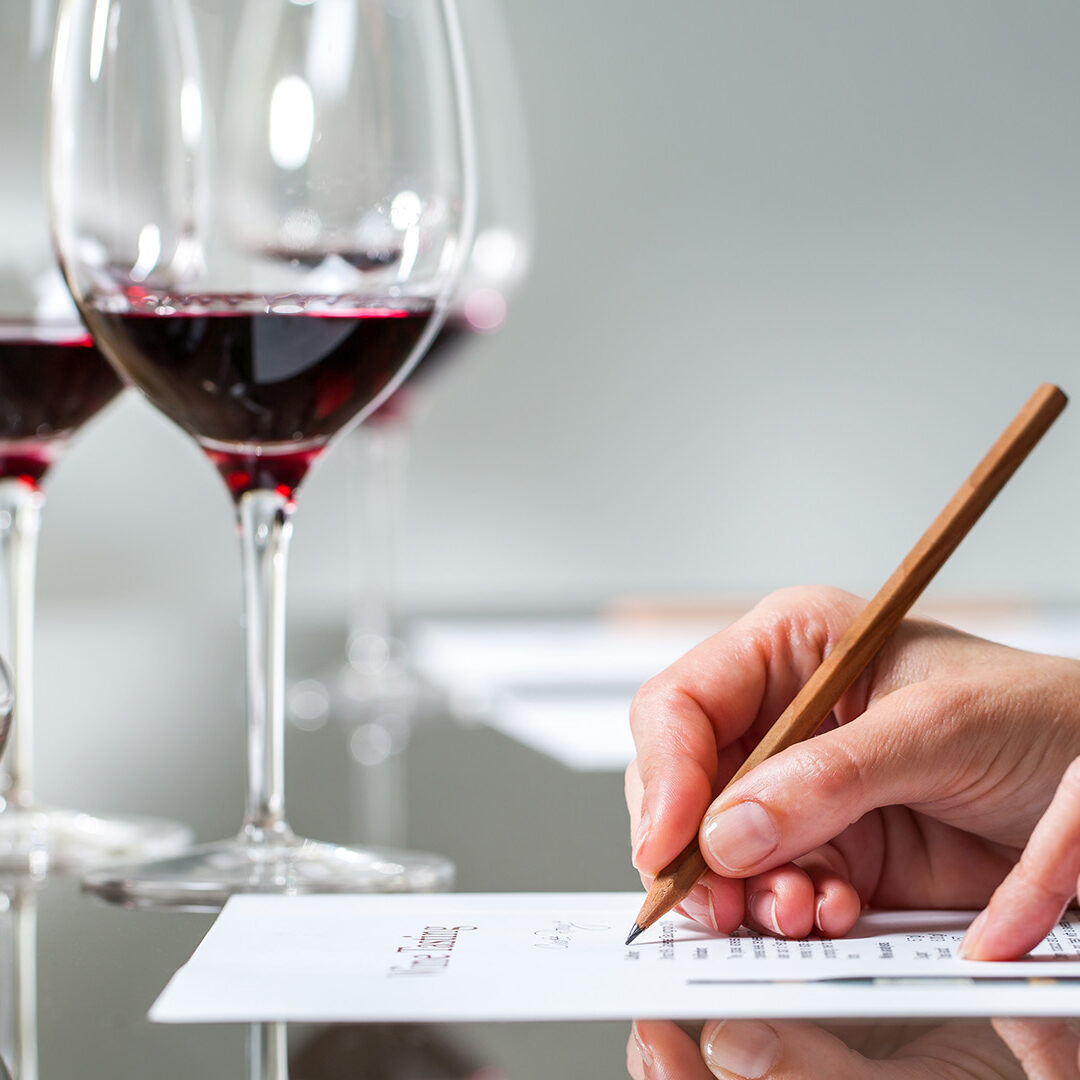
[560, 956]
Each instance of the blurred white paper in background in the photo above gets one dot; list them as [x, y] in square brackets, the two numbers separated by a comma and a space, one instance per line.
[563, 686]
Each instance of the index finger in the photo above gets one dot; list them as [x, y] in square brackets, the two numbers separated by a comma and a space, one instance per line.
[689, 722]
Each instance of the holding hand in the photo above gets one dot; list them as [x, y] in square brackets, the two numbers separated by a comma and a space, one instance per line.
[920, 790]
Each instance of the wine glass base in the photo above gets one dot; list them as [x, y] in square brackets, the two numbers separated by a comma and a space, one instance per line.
[36, 840]
[203, 878]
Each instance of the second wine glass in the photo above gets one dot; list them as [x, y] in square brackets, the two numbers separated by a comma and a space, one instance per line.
[261, 213]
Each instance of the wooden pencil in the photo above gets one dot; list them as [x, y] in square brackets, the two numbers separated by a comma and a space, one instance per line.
[872, 627]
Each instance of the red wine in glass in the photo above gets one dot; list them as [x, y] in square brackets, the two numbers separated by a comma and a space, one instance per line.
[263, 384]
[52, 380]
[480, 313]
[263, 266]
[51, 383]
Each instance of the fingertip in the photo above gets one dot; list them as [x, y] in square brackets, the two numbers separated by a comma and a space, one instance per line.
[639, 1055]
[746, 1048]
[969, 947]
[716, 903]
[642, 837]
[664, 1049]
[782, 902]
[698, 905]
[836, 909]
[761, 907]
[1014, 922]
[670, 817]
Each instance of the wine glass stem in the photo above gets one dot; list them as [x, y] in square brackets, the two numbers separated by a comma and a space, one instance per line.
[20, 522]
[268, 1052]
[18, 977]
[380, 452]
[25, 1058]
[265, 529]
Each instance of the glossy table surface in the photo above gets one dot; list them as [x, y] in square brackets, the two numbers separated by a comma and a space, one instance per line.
[77, 975]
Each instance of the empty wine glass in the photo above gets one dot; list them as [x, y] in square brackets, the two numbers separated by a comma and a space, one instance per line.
[261, 210]
[376, 695]
[52, 380]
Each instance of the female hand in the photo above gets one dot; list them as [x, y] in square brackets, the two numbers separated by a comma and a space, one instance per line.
[921, 789]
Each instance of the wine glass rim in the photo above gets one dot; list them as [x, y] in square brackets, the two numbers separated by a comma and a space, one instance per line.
[7, 689]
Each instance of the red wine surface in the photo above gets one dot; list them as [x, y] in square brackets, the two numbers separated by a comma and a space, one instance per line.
[447, 344]
[234, 372]
[262, 385]
[50, 384]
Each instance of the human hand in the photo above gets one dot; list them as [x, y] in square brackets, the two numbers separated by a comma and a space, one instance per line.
[1025, 906]
[798, 1050]
[920, 791]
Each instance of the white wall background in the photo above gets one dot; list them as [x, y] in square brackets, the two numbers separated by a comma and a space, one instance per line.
[796, 266]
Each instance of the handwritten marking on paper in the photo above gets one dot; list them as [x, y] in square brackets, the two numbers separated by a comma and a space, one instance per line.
[667, 941]
[561, 933]
[428, 954]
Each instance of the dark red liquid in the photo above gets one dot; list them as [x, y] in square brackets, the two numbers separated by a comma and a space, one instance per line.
[255, 469]
[261, 391]
[454, 334]
[48, 388]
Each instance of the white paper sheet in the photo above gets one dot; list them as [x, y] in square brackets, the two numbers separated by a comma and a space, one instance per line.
[548, 956]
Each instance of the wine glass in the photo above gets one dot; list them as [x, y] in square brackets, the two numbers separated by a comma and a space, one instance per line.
[52, 380]
[261, 210]
[376, 695]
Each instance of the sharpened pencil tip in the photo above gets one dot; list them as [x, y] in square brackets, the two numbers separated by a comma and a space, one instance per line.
[634, 931]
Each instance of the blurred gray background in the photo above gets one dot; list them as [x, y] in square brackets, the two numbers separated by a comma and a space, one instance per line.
[795, 267]
[796, 264]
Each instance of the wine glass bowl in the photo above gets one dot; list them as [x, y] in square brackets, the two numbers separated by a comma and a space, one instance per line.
[53, 380]
[7, 705]
[377, 691]
[261, 213]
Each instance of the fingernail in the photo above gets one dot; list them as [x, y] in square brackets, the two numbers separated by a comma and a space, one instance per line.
[741, 837]
[642, 1048]
[698, 906]
[762, 908]
[817, 912]
[745, 1048]
[641, 835]
[970, 945]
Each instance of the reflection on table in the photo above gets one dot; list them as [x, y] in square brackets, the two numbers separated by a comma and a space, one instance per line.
[1013, 1049]
[470, 791]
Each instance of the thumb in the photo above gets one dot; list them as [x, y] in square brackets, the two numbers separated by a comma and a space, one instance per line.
[1030, 900]
[809, 794]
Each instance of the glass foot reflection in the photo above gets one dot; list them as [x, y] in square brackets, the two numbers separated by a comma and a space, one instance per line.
[206, 876]
[39, 839]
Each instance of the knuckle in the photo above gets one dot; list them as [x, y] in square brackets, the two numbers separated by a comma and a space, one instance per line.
[668, 723]
[648, 707]
[830, 770]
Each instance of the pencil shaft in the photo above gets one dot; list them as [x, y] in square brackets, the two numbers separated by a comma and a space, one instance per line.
[876, 622]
